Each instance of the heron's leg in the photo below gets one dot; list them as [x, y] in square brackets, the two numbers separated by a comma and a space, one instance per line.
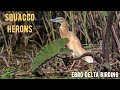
[79, 62]
[73, 62]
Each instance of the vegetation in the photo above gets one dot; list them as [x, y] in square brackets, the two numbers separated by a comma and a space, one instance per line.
[50, 50]
[43, 50]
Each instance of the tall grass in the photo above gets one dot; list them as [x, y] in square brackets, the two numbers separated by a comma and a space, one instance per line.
[89, 26]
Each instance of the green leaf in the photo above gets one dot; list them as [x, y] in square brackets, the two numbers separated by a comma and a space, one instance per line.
[107, 65]
[84, 14]
[104, 13]
[65, 51]
[49, 51]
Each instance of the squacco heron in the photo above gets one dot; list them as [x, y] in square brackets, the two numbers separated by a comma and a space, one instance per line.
[74, 43]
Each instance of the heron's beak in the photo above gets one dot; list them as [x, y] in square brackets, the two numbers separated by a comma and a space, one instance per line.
[53, 20]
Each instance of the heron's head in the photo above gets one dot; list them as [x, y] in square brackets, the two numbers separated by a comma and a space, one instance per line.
[58, 20]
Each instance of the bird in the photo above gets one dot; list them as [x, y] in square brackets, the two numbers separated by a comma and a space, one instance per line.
[74, 43]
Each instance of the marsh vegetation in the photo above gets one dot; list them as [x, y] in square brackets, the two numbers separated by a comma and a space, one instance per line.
[98, 31]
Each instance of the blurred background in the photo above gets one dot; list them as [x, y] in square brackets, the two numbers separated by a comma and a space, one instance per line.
[98, 31]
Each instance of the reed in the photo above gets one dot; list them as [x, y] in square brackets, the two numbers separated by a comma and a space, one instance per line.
[91, 27]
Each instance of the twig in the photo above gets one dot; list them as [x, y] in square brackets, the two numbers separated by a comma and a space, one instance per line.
[114, 63]
[106, 37]
[78, 58]
[3, 35]
[4, 59]
[29, 56]
[57, 72]
[116, 38]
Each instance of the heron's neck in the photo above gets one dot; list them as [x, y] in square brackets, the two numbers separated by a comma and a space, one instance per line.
[64, 30]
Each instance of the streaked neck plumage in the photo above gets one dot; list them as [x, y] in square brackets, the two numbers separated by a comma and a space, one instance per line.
[64, 30]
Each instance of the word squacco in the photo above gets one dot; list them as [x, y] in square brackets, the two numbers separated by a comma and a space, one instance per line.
[19, 18]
